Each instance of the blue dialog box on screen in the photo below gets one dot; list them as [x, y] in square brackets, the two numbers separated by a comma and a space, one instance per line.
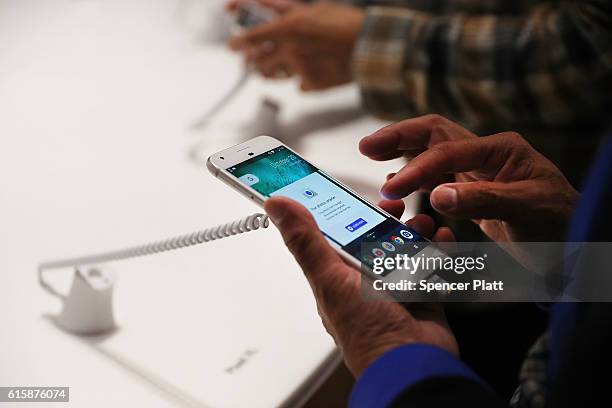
[355, 225]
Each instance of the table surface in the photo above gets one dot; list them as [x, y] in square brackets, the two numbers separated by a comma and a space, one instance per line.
[98, 151]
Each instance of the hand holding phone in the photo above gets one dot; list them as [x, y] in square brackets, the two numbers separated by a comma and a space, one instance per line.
[363, 329]
[358, 230]
[268, 172]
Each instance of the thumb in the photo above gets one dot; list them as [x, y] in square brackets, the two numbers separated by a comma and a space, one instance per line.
[303, 238]
[481, 199]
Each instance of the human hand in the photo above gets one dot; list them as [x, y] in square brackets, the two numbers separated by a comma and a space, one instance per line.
[509, 189]
[314, 42]
[364, 330]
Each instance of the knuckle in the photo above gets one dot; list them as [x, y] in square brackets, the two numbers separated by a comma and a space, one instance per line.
[490, 198]
[513, 137]
[441, 149]
[441, 133]
[520, 151]
[436, 119]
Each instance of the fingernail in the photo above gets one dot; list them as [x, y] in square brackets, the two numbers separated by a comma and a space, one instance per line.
[361, 143]
[276, 213]
[388, 196]
[444, 198]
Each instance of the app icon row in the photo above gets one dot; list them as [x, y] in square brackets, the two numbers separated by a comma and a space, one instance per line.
[391, 246]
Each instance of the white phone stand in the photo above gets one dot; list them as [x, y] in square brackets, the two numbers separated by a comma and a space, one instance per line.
[88, 307]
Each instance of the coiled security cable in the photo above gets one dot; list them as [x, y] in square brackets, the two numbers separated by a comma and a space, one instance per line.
[246, 224]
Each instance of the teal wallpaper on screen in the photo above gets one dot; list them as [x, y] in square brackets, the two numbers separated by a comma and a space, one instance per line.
[275, 170]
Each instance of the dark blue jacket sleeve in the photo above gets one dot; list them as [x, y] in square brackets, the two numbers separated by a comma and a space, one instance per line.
[394, 374]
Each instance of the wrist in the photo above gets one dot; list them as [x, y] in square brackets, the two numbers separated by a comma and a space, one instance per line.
[364, 352]
[361, 362]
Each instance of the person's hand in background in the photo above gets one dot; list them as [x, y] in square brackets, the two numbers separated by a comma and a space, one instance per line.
[314, 42]
[364, 330]
[509, 189]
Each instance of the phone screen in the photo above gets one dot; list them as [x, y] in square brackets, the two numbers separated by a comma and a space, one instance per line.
[343, 217]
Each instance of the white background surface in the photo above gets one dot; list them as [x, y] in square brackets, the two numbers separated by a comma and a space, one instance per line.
[97, 99]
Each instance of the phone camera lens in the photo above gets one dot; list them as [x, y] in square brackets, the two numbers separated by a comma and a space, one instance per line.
[222, 158]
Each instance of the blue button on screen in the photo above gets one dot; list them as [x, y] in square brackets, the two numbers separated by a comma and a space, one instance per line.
[355, 225]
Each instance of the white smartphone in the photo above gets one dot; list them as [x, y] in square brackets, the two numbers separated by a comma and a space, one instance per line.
[264, 167]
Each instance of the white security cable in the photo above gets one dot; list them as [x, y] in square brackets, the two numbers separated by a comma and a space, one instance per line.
[247, 16]
[224, 100]
[250, 223]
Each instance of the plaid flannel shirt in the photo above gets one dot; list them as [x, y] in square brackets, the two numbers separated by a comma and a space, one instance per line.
[490, 64]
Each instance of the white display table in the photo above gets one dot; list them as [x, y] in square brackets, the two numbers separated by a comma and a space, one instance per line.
[97, 99]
